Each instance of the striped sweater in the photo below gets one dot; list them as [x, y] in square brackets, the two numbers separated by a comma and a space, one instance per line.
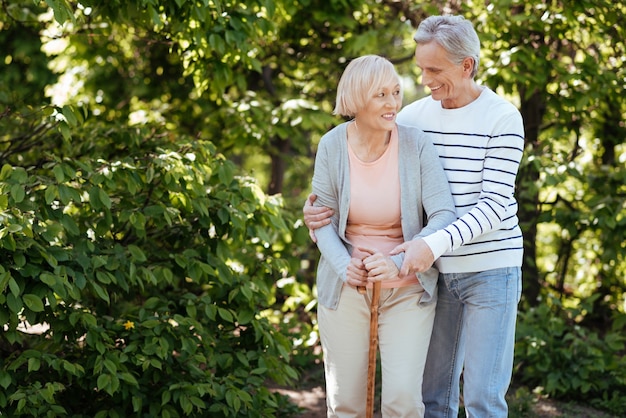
[480, 147]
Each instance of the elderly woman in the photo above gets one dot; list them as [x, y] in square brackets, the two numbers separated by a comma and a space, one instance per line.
[385, 185]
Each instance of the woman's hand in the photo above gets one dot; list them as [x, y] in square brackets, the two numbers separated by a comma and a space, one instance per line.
[379, 266]
[356, 275]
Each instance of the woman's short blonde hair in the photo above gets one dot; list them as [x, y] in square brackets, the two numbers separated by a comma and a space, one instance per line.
[361, 78]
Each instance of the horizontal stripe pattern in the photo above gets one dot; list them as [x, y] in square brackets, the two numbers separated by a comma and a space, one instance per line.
[480, 156]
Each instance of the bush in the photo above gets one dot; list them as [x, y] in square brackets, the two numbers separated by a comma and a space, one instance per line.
[150, 269]
[568, 361]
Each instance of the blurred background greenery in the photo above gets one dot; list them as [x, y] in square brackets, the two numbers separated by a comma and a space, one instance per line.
[155, 156]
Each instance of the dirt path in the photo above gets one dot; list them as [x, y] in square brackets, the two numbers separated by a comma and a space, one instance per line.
[313, 400]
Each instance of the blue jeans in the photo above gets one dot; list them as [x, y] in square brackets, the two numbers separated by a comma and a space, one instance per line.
[474, 333]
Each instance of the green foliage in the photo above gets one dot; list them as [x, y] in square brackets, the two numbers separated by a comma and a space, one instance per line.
[568, 361]
[160, 271]
[149, 274]
[562, 65]
[521, 403]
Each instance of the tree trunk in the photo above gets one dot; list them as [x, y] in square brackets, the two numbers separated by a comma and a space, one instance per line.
[280, 149]
[532, 110]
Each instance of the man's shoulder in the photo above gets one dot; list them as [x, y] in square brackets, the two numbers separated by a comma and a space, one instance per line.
[497, 101]
[502, 114]
[413, 112]
[419, 103]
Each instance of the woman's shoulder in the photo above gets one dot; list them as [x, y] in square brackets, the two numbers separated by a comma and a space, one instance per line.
[412, 141]
[335, 134]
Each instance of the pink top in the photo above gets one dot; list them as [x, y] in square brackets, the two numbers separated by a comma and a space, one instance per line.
[374, 217]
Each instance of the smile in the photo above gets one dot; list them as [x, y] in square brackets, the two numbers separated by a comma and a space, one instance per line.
[436, 88]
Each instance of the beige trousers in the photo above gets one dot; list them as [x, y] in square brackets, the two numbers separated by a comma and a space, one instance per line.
[404, 334]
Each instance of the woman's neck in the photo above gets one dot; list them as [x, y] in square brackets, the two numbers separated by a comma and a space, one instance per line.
[367, 145]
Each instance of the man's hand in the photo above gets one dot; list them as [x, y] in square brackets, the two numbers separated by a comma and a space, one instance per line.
[379, 267]
[417, 256]
[314, 216]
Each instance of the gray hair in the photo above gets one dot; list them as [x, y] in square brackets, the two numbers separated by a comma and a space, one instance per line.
[455, 34]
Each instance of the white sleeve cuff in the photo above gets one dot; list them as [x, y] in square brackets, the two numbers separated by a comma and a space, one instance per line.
[438, 242]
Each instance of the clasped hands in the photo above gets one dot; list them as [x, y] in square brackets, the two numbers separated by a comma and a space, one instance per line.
[372, 266]
[368, 265]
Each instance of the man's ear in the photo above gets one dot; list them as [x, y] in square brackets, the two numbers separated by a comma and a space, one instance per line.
[468, 65]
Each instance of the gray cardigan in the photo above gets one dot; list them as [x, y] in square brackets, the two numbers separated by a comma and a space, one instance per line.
[424, 193]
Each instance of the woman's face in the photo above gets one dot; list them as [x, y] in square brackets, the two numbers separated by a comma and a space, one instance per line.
[382, 106]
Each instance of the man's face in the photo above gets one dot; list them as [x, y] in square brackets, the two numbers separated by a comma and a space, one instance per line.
[446, 80]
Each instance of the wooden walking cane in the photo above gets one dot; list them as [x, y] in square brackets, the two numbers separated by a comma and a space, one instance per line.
[371, 365]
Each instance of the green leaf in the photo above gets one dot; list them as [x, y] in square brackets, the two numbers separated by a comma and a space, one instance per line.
[245, 316]
[14, 303]
[69, 115]
[197, 402]
[129, 378]
[33, 302]
[19, 174]
[103, 277]
[5, 276]
[101, 292]
[15, 288]
[110, 366]
[33, 364]
[68, 194]
[13, 228]
[137, 403]
[65, 131]
[50, 193]
[151, 323]
[70, 225]
[5, 379]
[62, 11]
[225, 314]
[19, 259]
[225, 173]
[18, 193]
[104, 198]
[59, 174]
[6, 171]
[166, 397]
[137, 255]
[104, 381]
